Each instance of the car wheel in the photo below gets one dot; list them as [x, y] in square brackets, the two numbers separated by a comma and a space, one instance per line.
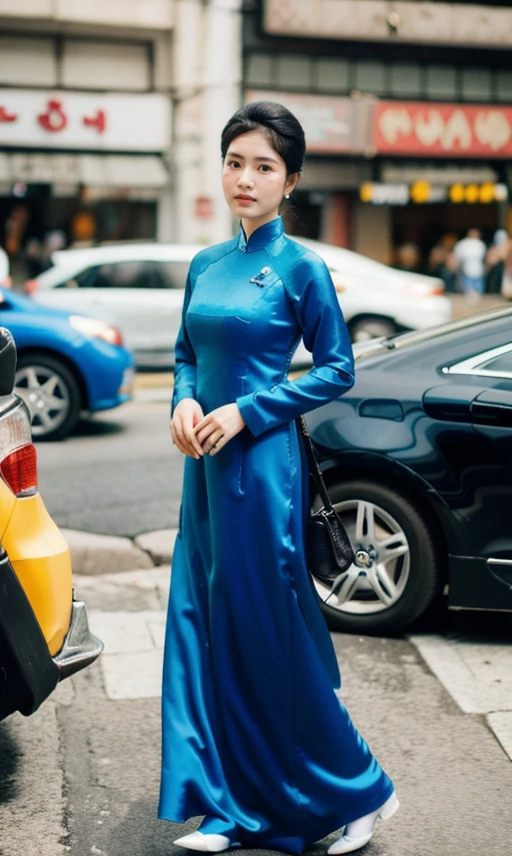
[397, 572]
[51, 394]
[364, 329]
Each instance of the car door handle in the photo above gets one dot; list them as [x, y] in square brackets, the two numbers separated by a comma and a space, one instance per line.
[451, 402]
[493, 407]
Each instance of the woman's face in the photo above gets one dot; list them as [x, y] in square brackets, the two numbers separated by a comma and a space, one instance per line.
[254, 180]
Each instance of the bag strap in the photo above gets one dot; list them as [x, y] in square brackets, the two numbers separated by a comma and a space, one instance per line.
[314, 467]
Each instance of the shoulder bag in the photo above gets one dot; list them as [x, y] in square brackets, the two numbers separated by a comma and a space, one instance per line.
[329, 552]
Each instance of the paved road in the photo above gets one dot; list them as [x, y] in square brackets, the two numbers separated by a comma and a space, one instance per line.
[119, 474]
[81, 776]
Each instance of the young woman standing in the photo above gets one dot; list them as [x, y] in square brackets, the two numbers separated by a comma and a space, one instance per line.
[254, 736]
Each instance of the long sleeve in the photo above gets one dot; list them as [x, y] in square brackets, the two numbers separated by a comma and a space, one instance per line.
[185, 372]
[325, 334]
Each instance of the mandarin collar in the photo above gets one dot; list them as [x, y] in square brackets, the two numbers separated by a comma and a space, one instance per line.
[262, 236]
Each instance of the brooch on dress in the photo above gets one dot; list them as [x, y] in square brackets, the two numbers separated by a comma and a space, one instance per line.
[258, 279]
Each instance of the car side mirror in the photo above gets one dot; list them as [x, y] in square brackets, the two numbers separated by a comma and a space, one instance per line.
[7, 361]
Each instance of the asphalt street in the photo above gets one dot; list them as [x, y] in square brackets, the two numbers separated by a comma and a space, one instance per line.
[118, 474]
[82, 775]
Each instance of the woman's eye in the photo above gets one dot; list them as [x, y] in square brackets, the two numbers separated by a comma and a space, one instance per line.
[234, 164]
[265, 167]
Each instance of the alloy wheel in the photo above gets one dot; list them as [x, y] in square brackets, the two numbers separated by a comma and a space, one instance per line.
[378, 577]
[46, 395]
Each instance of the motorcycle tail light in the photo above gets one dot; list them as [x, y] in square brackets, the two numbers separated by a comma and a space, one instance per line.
[19, 470]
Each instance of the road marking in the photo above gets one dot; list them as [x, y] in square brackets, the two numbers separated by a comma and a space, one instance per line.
[122, 632]
[131, 663]
[134, 675]
[477, 676]
[501, 725]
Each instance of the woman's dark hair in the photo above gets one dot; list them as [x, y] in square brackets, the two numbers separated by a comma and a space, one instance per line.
[283, 131]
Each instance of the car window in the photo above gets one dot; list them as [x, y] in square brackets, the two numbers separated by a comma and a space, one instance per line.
[132, 274]
[500, 364]
[493, 363]
[176, 273]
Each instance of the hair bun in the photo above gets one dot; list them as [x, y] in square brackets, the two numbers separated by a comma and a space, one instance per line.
[283, 130]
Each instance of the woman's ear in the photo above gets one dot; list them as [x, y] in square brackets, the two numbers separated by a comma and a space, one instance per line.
[291, 183]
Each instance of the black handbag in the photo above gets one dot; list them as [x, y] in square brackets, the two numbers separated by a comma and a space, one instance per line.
[329, 553]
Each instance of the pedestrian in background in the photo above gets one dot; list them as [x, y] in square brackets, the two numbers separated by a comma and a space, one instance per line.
[470, 254]
[495, 260]
[254, 736]
[443, 264]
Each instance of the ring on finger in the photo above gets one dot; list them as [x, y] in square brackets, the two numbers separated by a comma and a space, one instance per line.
[216, 442]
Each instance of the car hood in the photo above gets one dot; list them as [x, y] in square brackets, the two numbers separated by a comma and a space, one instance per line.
[24, 304]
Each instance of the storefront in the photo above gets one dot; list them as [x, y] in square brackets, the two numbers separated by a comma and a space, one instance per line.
[439, 170]
[79, 168]
[383, 174]
[336, 133]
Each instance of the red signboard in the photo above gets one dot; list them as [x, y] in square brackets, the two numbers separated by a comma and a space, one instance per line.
[447, 130]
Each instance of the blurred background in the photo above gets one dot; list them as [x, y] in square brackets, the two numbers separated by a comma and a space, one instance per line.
[110, 116]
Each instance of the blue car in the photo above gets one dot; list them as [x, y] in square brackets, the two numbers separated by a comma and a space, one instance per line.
[67, 363]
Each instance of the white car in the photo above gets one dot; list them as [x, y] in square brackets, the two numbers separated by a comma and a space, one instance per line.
[139, 288]
[5, 279]
[378, 300]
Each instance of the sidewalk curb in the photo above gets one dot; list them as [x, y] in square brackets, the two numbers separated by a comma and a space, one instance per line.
[93, 554]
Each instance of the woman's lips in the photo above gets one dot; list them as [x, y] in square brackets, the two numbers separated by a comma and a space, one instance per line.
[244, 200]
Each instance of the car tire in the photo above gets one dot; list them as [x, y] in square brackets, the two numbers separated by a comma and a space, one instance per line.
[394, 590]
[50, 392]
[364, 329]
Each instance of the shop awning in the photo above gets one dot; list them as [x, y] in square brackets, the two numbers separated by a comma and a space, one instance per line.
[108, 171]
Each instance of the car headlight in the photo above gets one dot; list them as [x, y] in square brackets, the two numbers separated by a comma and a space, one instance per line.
[93, 328]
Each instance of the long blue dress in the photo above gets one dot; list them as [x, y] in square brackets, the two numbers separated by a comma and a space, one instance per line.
[254, 736]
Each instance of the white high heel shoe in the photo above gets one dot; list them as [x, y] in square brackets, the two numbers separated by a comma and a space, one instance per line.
[204, 842]
[358, 833]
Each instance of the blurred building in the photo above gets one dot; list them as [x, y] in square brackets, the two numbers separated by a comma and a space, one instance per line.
[110, 114]
[408, 115]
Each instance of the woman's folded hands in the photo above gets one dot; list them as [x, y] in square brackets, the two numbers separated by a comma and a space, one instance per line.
[196, 435]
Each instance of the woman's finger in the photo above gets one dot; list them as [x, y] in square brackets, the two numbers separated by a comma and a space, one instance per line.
[178, 432]
[182, 448]
[175, 436]
[183, 442]
[191, 440]
[206, 432]
[213, 442]
[207, 424]
[217, 445]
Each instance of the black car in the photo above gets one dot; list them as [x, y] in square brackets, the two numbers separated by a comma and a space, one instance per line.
[418, 459]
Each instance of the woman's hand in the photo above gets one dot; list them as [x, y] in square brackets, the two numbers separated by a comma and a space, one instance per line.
[187, 414]
[220, 426]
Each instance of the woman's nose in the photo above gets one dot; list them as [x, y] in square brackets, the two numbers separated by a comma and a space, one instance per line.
[245, 178]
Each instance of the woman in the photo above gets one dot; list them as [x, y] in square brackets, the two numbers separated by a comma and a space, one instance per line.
[254, 737]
